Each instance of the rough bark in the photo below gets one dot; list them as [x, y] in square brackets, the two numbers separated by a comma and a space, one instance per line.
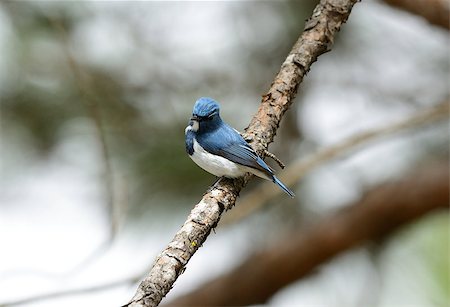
[436, 12]
[316, 39]
[380, 212]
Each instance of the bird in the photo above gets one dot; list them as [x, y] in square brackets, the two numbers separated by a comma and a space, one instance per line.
[220, 149]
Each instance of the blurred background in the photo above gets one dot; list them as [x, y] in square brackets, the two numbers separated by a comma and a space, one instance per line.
[95, 180]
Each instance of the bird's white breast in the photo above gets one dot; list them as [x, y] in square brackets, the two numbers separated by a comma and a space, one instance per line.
[216, 165]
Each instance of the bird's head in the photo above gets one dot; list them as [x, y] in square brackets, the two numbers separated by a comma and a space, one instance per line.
[205, 114]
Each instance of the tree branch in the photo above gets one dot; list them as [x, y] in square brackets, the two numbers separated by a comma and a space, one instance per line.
[380, 212]
[316, 39]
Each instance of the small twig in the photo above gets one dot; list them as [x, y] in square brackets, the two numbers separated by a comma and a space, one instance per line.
[84, 290]
[271, 155]
[297, 170]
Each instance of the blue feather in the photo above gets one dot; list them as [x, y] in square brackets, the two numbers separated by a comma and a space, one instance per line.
[190, 142]
[282, 186]
[205, 106]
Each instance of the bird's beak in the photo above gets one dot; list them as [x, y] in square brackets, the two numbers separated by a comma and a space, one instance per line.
[194, 117]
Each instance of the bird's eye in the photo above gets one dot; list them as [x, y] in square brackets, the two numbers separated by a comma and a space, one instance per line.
[210, 117]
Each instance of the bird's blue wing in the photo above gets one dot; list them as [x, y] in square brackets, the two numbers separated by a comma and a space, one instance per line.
[228, 143]
[245, 155]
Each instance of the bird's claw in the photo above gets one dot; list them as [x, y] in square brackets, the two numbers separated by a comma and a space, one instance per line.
[214, 185]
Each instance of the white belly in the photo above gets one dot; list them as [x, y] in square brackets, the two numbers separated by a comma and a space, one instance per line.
[219, 166]
[216, 165]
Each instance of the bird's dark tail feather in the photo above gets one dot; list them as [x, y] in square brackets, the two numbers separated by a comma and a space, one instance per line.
[283, 187]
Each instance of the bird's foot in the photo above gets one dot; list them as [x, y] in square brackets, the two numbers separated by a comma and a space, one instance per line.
[214, 185]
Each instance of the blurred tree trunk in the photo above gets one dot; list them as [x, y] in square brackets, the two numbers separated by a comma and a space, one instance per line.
[377, 215]
[437, 12]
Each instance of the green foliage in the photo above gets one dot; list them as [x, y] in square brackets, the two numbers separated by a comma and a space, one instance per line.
[434, 240]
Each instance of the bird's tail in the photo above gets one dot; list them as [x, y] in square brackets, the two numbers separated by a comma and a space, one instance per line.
[282, 186]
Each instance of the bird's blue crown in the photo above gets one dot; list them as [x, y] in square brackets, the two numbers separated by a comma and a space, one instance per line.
[205, 106]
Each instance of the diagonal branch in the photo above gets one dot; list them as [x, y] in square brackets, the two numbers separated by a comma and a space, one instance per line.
[316, 39]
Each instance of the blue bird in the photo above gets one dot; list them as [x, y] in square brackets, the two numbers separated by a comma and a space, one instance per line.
[221, 150]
